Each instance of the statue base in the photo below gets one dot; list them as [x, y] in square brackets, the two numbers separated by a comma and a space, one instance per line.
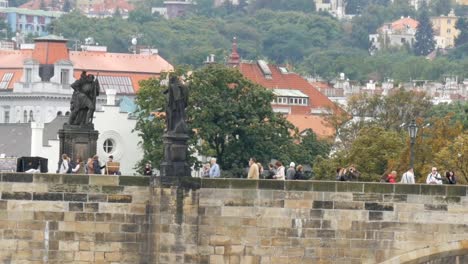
[78, 141]
[175, 156]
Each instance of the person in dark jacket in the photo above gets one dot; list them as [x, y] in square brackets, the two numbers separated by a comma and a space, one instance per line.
[96, 166]
[450, 175]
[299, 173]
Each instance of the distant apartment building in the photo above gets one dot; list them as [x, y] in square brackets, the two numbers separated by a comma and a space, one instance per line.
[28, 21]
[395, 34]
[173, 9]
[445, 31]
[220, 2]
[334, 7]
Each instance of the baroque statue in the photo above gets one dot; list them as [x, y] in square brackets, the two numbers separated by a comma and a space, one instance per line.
[177, 101]
[83, 102]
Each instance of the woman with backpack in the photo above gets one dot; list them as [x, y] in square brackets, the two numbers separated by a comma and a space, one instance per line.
[64, 165]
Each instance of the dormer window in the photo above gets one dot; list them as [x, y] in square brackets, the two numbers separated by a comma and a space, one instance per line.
[290, 97]
[28, 75]
[64, 77]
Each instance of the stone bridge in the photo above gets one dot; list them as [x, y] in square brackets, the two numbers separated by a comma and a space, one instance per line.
[51, 218]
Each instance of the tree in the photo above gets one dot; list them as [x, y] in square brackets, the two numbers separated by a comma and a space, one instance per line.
[440, 7]
[453, 157]
[462, 25]
[458, 110]
[234, 119]
[231, 117]
[151, 123]
[424, 38]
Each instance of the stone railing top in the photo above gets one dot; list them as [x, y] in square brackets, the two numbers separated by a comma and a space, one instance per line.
[229, 183]
[322, 186]
[82, 179]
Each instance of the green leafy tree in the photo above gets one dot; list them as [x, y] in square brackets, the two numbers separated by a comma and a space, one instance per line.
[151, 122]
[424, 38]
[453, 156]
[459, 111]
[234, 119]
[440, 7]
[462, 25]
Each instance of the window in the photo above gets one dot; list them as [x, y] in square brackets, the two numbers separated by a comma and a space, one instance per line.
[449, 21]
[6, 116]
[28, 76]
[64, 77]
[6, 80]
[25, 116]
[118, 83]
[31, 116]
[109, 145]
[448, 30]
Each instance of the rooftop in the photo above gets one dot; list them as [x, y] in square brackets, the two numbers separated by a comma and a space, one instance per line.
[24, 11]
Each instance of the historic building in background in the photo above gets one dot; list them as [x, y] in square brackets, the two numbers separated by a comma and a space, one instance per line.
[28, 21]
[304, 106]
[35, 89]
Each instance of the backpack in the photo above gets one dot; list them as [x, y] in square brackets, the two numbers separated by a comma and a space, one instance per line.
[71, 165]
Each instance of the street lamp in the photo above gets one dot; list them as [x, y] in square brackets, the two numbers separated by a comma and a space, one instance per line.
[413, 132]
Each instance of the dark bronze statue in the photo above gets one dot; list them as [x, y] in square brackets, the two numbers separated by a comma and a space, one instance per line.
[83, 102]
[177, 100]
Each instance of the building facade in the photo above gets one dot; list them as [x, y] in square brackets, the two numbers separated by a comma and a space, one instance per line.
[445, 31]
[28, 21]
[35, 88]
[395, 34]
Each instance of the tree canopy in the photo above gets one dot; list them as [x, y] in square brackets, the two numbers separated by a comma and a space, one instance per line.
[424, 38]
[231, 119]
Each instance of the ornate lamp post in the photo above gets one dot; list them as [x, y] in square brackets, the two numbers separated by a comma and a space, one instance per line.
[413, 132]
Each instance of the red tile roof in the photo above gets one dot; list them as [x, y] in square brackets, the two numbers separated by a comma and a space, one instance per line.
[318, 124]
[300, 116]
[137, 67]
[405, 22]
[287, 81]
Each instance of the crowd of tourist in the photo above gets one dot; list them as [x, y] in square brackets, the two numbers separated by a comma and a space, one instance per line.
[277, 171]
[92, 166]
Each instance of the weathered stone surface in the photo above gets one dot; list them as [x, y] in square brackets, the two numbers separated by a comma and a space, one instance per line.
[16, 196]
[17, 177]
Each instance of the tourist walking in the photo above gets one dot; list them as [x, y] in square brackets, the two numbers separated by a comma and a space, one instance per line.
[291, 172]
[391, 178]
[96, 165]
[408, 177]
[253, 169]
[299, 173]
[450, 175]
[434, 177]
[79, 167]
[279, 171]
[63, 166]
[89, 166]
[271, 171]
[215, 172]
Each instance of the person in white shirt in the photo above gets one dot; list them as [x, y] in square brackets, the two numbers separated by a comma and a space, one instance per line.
[280, 175]
[434, 177]
[408, 177]
[64, 164]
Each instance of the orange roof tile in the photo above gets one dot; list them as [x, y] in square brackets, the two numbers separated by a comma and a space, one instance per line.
[287, 81]
[402, 23]
[17, 73]
[13, 59]
[318, 124]
[119, 62]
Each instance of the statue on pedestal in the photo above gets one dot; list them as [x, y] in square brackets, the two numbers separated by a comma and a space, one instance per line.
[78, 138]
[176, 135]
[177, 101]
[83, 102]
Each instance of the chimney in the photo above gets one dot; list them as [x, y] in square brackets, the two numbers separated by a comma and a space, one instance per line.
[111, 96]
[234, 58]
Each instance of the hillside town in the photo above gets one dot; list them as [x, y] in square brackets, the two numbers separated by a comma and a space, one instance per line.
[38, 64]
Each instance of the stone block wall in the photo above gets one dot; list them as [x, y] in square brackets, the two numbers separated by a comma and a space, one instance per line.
[247, 221]
[51, 218]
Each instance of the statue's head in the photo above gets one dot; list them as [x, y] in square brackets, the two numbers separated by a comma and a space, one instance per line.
[90, 77]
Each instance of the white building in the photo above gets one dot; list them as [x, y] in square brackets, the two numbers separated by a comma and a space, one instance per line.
[35, 89]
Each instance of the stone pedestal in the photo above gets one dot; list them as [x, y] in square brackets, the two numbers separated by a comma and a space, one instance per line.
[77, 141]
[175, 156]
